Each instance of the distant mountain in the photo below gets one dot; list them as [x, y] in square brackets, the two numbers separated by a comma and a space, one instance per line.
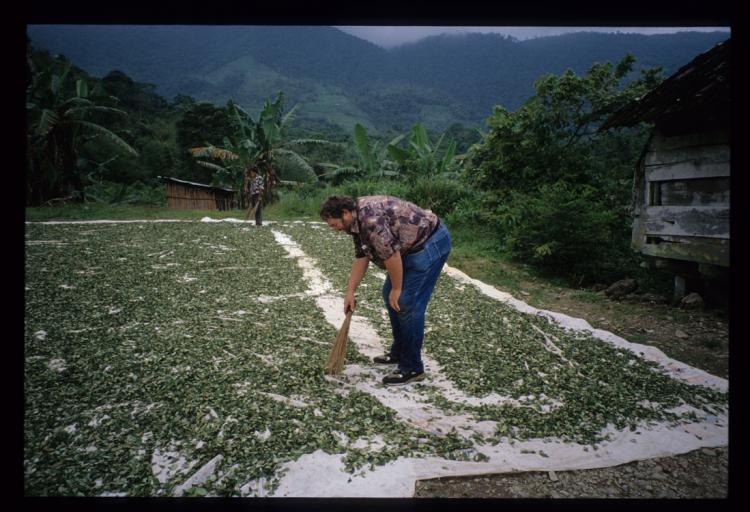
[341, 79]
[483, 70]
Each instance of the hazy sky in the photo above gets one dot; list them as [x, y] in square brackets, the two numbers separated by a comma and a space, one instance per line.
[389, 37]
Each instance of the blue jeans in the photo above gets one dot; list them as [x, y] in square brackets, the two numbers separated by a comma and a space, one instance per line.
[420, 274]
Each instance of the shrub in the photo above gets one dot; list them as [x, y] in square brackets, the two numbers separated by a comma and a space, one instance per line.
[301, 201]
[567, 230]
[151, 193]
[373, 187]
[440, 195]
[471, 212]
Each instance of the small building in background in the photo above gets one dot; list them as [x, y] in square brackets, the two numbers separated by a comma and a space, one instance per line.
[681, 185]
[189, 195]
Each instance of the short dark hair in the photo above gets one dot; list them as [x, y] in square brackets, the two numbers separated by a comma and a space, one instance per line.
[334, 206]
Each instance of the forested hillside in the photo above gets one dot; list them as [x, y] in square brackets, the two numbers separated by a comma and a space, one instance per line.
[483, 70]
[342, 80]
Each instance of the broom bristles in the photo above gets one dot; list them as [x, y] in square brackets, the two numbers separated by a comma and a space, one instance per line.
[251, 211]
[336, 358]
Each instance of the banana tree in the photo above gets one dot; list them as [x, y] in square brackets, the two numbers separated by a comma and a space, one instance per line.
[233, 158]
[57, 128]
[372, 161]
[261, 142]
[336, 174]
[421, 157]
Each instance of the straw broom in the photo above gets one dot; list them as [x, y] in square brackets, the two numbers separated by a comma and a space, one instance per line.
[251, 211]
[338, 353]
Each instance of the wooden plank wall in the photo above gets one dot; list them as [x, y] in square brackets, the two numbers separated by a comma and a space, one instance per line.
[682, 198]
[180, 196]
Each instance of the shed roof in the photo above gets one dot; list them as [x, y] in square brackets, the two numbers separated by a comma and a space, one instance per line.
[193, 184]
[697, 88]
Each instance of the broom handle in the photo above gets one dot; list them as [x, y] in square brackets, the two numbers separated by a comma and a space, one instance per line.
[348, 317]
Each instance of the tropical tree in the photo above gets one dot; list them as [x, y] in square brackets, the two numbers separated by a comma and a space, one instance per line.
[421, 157]
[59, 124]
[556, 186]
[372, 160]
[198, 123]
[552, 136]
[261, 142]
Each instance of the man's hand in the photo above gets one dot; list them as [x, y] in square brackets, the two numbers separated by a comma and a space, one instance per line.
[349, 302]
[393, 299]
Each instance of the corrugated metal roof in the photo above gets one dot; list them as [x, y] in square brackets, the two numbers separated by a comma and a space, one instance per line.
[701, 85]
[199, 185]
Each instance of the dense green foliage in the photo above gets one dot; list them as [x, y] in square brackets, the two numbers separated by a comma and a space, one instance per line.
[62, 118]
[117, 136]
[200, 125]
[258, 142]
[422, 158]
[557, 187]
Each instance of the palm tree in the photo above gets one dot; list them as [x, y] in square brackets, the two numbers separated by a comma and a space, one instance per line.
[57, 128]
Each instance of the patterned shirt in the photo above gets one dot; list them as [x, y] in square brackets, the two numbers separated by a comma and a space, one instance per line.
[256, 185]
[386, 224]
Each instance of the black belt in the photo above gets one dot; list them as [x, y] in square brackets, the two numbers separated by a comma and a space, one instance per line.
[421, 246]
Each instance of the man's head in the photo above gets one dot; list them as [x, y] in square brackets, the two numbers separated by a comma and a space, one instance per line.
[339, 212]
[252, 170]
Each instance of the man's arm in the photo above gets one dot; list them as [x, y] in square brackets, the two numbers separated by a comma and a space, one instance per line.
[359, 268]
[396, 272]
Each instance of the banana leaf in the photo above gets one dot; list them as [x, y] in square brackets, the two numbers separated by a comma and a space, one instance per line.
[108, 134]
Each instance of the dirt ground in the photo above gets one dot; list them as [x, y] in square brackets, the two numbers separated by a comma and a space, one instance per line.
[698, 338]
[698, 474]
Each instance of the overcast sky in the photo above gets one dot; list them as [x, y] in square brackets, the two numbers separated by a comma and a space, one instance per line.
[388, 37]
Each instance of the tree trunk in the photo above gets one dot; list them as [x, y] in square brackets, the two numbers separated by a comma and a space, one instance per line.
[269, 179]
[71, 181]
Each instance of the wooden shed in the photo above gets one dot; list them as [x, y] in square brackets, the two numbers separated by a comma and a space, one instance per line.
[681, 183]
[186, 194]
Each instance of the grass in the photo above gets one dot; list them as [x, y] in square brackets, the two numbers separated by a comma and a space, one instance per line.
[476, 252]
[586, 296]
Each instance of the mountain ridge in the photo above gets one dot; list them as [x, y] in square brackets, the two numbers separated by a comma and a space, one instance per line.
[337, 77]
